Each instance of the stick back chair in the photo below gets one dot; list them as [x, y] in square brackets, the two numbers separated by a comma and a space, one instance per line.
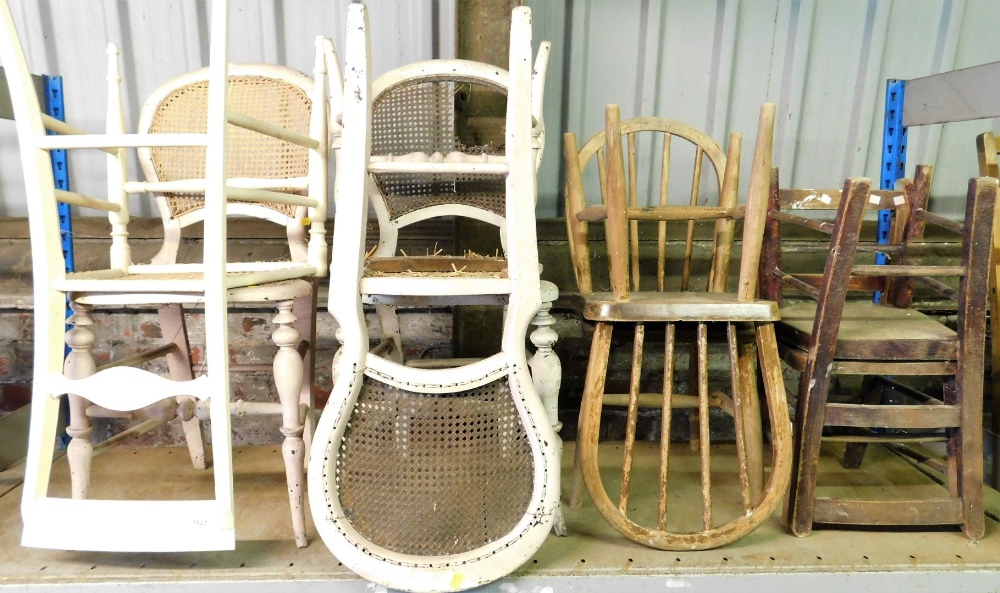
[80, 522]
[829, 335]
[282, 98]
[745, 322]
[429, 479]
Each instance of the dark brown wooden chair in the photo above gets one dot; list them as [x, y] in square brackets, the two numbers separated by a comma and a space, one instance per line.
[744, 323]
[838, 336]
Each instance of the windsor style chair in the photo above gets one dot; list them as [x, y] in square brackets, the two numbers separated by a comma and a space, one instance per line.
[745, 323]
[112, 524]
[429, 479]
[829, 335]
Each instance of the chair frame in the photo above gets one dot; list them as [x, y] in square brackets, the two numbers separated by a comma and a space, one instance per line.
[960, 410]
[627, 304]
[79, 523]
[293, 366]
[491, 561]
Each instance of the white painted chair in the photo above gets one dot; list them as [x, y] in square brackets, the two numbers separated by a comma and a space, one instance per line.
[282, 97]
[432, 479]
[79, 523]
[425, 112]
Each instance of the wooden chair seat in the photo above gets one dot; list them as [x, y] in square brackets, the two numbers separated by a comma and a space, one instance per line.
[677, 306]
[863, 328]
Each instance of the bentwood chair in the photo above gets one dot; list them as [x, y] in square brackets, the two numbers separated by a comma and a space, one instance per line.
[109, 523]
[744, 324]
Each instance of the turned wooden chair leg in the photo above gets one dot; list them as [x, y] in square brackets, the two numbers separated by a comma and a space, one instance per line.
[288, 374]
[174, 331]
[78, 365]
[304, 311]
[546, 375]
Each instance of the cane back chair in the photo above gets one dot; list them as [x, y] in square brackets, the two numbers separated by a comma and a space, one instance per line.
[428, 479]
[828, 335]
[283, 98]
[745, 322]
[109, 523]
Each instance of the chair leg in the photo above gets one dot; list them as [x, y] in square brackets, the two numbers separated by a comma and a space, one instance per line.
[694, 421]
[305, 314]
[967, 444]
[854, 453]
[546, 375]
[388, 322]
[288, 374]
[79, 364]
[746, 400]
[590, 414]
[807, 433]
[174, 331]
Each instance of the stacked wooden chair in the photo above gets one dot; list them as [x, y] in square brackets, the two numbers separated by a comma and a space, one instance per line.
[829, 335]
[745, 323]
[428, 479]
[212, 154]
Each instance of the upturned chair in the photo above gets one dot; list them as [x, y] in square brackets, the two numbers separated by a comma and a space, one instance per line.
[431, 479]
[829, 335]
[423, 112]
[745, 322]
[283, 98]
[82, 523]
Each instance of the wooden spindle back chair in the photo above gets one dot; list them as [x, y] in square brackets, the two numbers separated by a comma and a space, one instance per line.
[837, 336]
[745, 321]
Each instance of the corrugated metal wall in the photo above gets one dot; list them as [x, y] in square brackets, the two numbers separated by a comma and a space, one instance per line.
[709, 63]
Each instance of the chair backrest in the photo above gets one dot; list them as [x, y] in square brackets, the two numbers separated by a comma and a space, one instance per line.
[620, 190]
[277, 95]
[818, 211]
[844, 273]
[436, 110]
